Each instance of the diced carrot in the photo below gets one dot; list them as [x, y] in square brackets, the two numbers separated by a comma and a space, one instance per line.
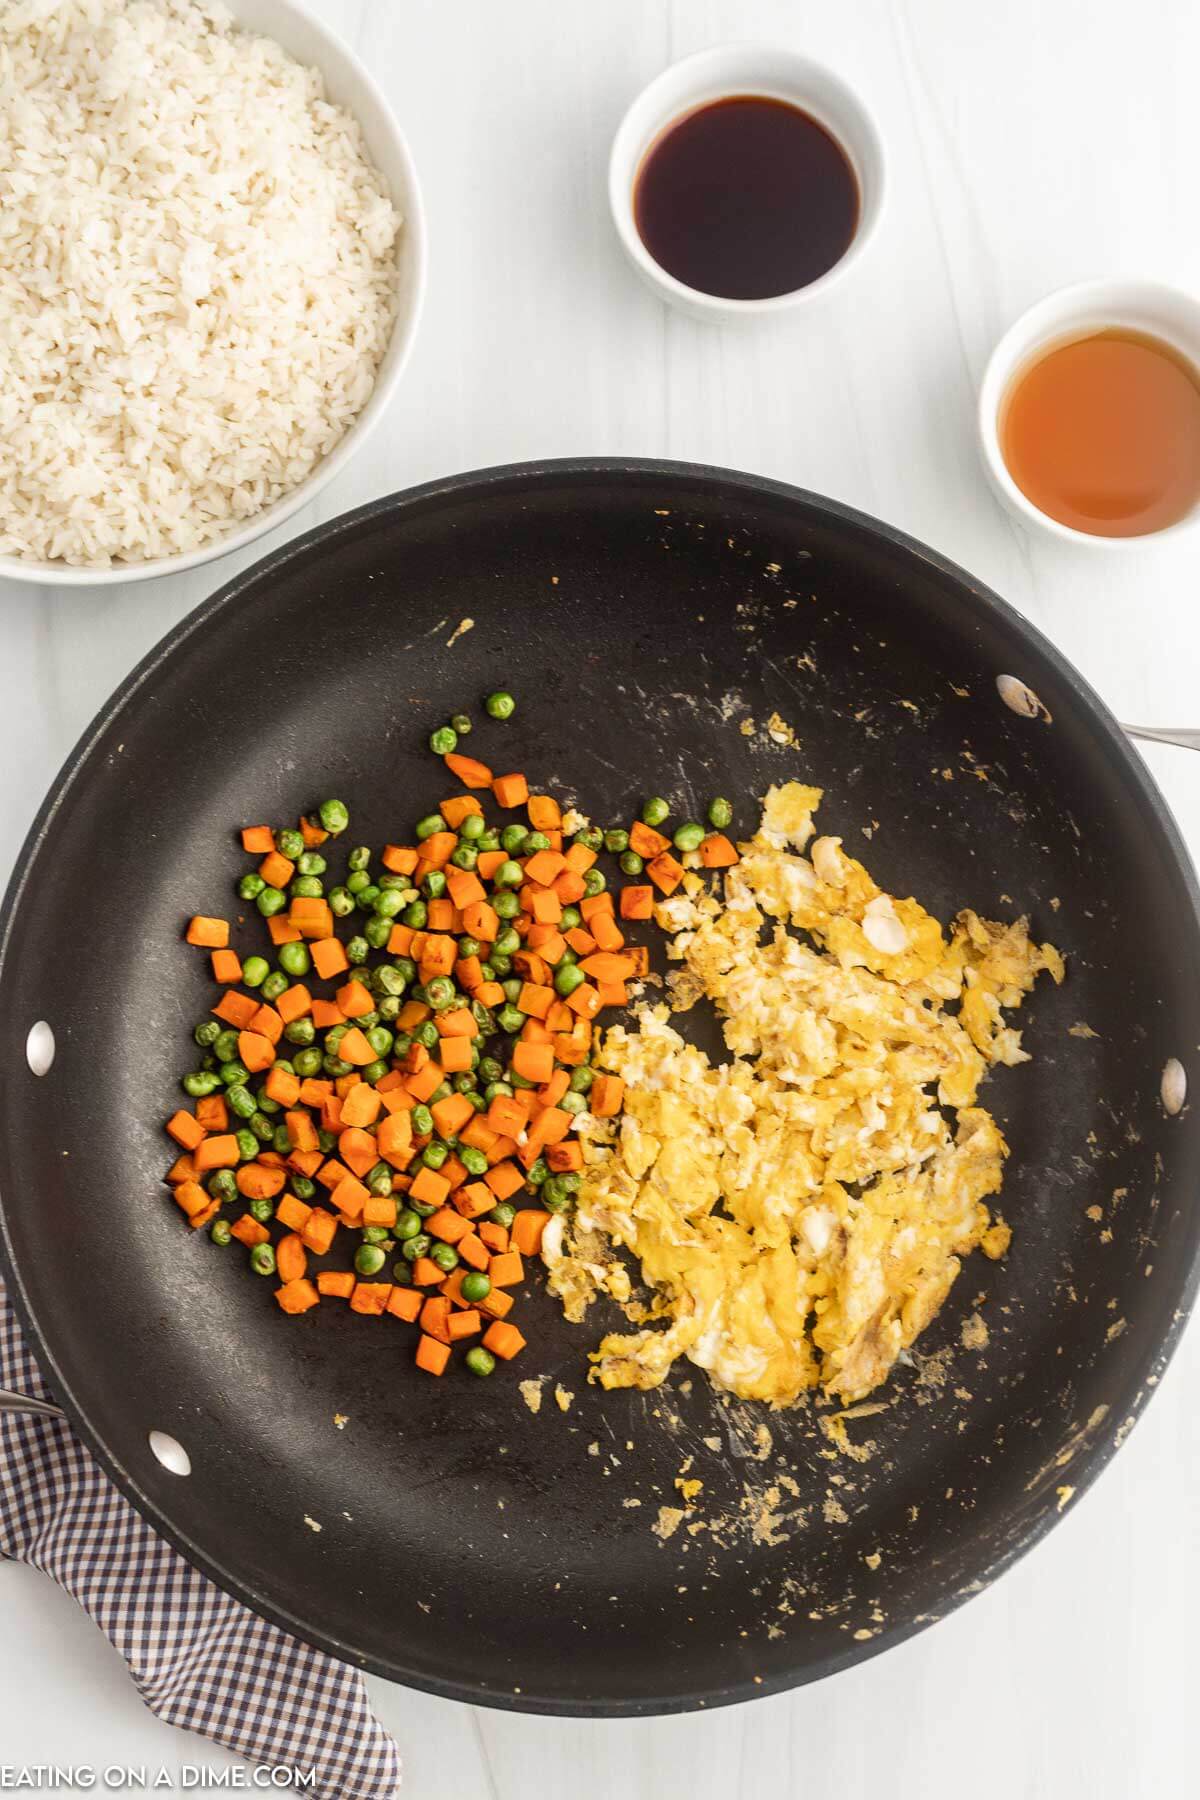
[405, 1303]
[480, 921]
[463, 1325]
[210, 934]
[593, 904]
[494, 1236]
[294, 1003]
[582, 942]
[393, 1138]
[297, 1296]
[354, 1048]
[474, 1252]
[291, 1258]
[507, 1269]
[258, 840]
[608, 935]
[646, 841]
[457, 808]
[258, 1183]
[400, 940]
[192, 1198]
[505, 1116]
[319, 1230]
[349, 1197]
[503, 1340]
[380, 1209]
[236, 1010]
[267, 1023]
[546, 907]
[641, 959]
[489, 861]
[248, 1231]
[438, 955]
[504, 1180]
[454, 1055]
[226, 965]
[291, 1212]
[555, 1088]
[437, 849]
[326, 1013]
[527, 1229]
[329, 958]
[545, 814]
[579, 859]
[550, 1127]
[570, 887]
[354, 998]
[612, 993]
[301, 1130]
[510, 790]
[337, 1282]
[465, 887]
[256, 1051]
[312, 916]
[313, 833]
[432, 1356]
[606, 1096]
[570, 1049]
[535, 1062]
[474, 1199]
[371, 1297]
[283, 1087]
[362, 1106]
[584, 1000]
[447, 1224]
[477, 1134]
[544, 866]
[398, 859]
[665, 872]
[217, 1153]
[457, 1021]
[429, 1187]
[502, 1147]
[716, 851]
[497, 1304]
[426, 1273]
[280, 930]
[441, 916]
[637, 902]
[305, 1162]
[471, 772]
[425, 1082]
[331, 1173]
[357, 1149]
[276, 870]
[435, 1317]
[188, 1131]
[183, 1168]
[489, 993]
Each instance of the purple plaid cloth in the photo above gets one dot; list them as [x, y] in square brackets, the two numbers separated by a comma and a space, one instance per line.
[198, 1657]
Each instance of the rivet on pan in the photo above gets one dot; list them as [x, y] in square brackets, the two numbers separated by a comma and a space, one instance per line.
[39, 1048]
[1021, 699]
[170, 1453]
[1174, 1086]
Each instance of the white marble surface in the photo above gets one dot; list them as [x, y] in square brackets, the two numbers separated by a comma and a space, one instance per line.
[1030, 144]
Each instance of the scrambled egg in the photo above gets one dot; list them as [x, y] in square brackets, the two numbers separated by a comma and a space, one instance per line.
[799, 1213]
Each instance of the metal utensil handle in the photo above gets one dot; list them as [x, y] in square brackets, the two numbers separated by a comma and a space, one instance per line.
[1184, 738]
[23, 1403]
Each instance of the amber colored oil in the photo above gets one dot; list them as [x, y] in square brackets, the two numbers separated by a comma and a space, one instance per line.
[1102, 433]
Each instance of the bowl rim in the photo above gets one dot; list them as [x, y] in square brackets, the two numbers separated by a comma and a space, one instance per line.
[625, 156]
[392, 365]
[1039, 328]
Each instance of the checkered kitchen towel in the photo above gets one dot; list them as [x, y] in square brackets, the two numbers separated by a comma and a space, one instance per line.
[199, 1659]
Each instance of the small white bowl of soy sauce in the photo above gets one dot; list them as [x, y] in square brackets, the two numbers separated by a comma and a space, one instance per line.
[744, 181]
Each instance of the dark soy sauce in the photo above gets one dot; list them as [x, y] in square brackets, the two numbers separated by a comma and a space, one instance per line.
[746, 198]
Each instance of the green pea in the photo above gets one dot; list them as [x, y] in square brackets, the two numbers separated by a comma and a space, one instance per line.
[416, 1246]
[473, 1161]
[341, 902]
[440, 992]
[379, 1181]
[357, 949]
[356, 881]
[434, 1155]
[334, 816]
[444, 740]
[477, 1102]
[688, 836]
[407, 1225]
[275, 984]
[501, 966]
[415, 915]
[538, 1173]
[375, 1234]
[500, 705]
[427, 1035]
[632, 863]
[377, 932]
[461, 723]
[219, 1232]
[554, 1196]
[307, 1063]
[422, 1121]
[424, 1209]
[262, 1210]
[434, 885]
[204, 1081]
[509, 1019]
[537, 840]
[389, 1008]
[247, 1143]
[489, 1069]
[513, 838]
[571, 919]
[498, 1087]
[303, 1188]
[206, 1033]
[234, 1074]
[369, 1259]
[472, 827]
[487, 970]
[289, 843]
[261, 1126]
[222, 1185]
[240, 1100]
[225, 1046]
[506, 904]
[591, 837]
[301, 1032]
[510, 874]
[366, 897]
[508, 942]
[442, 1092]
[445, 1256]
[282, 1141]
[475, 1286]
[464, 1082]
[480, 1361]
[569, 955]
[428, 825]
[573, 1102]
[655, 810]
[512, 989]
[594, 882]
[336, 1066]
[399, 884]
[374, 1071]
[469, 946]
[520, 1081]
[568, 977]
[294, 959]
[402, 1274]
[464, 856]
[387, 980]
[326, 1140]
[489, 841]
[390, 902]
[270, 902]
[616, 841]
[251, 885]
[720, 813]
[379, 1037]
[358, 858]
[334, 1036]
[255, 970]
[581, 1079]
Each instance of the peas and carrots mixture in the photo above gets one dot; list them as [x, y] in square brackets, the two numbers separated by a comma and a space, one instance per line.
[413, 1084]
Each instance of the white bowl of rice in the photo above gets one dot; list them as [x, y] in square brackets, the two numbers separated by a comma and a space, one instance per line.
[212, 261]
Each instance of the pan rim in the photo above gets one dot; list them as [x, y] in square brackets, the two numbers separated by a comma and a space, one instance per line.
[1134, 1388]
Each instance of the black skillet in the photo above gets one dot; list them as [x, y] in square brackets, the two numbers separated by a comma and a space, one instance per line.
[642, 613]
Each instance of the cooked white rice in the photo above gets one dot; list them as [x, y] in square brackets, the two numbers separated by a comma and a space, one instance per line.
[197, 276]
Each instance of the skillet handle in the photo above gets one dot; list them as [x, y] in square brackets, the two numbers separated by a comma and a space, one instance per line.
[1185, 739]
[22, 1403]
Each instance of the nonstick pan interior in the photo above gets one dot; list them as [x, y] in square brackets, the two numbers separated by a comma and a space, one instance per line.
[650, 619]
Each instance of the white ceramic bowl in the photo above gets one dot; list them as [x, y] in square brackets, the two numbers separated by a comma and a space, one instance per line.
[1146, 306]
[348, 84]
[717, 74]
